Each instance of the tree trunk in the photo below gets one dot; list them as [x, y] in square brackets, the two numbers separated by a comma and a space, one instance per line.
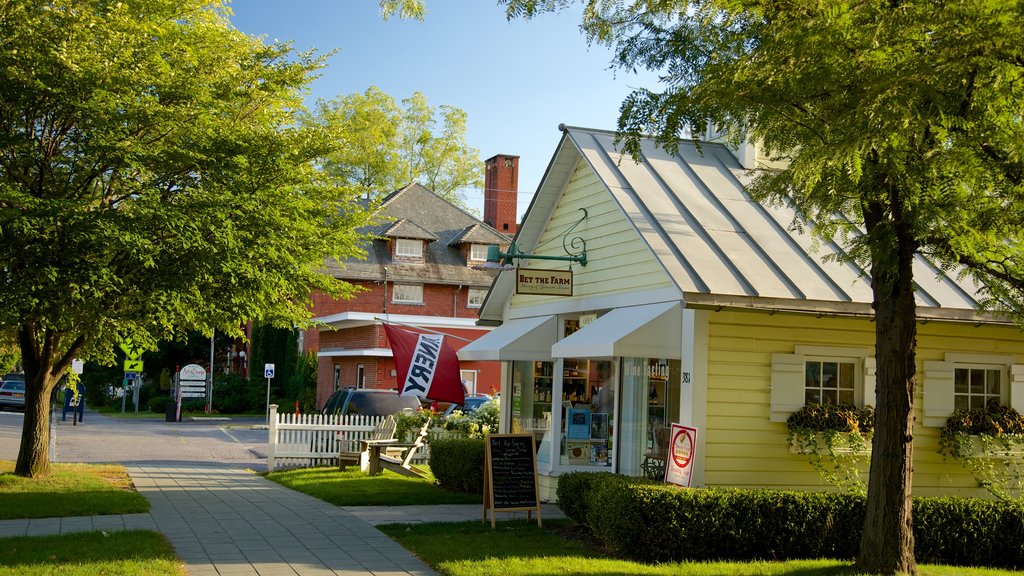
[887, 545]
[34, 454]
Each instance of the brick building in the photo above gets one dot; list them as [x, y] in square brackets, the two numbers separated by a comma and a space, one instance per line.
[418, 272]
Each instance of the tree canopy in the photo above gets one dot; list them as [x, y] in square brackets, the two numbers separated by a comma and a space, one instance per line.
[388, 146]
[901, 124]
[155, 178]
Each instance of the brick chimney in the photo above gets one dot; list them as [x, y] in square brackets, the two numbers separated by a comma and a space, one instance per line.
[501, 192]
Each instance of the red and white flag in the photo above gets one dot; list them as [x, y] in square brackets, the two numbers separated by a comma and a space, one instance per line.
[426, 365]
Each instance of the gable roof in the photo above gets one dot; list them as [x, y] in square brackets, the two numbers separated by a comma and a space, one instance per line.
[405, 228]
[416, 212]
[719, 246]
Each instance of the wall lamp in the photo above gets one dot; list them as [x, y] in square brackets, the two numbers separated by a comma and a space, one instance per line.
[577, 253]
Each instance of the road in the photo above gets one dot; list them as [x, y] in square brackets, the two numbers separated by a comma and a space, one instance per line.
[236, 442]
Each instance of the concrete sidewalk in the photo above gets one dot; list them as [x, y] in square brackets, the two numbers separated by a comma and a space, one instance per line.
[230, 521]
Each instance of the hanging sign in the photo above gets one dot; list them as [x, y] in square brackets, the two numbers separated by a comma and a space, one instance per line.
[544, 282]
[682, 453]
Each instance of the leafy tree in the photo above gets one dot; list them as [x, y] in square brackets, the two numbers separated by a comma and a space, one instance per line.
[902, 124]
[389, 146]
[155, 179]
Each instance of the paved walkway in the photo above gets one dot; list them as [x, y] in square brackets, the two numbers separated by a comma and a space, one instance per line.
[231, 522]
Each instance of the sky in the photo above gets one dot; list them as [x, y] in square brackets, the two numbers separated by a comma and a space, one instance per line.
[517, 80]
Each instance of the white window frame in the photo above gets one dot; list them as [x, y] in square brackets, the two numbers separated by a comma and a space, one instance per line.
[469, 297]
[399, 293]
[408, 248]
[788, 386]
[939, 377]
[360, 376]
[858, 393]
[478, 252]
[469, 378]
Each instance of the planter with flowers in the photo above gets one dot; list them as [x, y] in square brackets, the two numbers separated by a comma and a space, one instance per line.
[836, 439]
[989, 443]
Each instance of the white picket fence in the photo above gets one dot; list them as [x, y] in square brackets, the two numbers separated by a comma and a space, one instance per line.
[297, 440]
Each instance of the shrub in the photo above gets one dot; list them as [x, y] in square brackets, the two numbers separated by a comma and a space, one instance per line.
[458, 464]
[236, 395]
[652, 522]
[158, 404]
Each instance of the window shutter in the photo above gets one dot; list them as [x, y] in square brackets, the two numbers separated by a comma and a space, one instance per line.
[938, 393]
[787, 392]
[1017, 387]
[869, 382]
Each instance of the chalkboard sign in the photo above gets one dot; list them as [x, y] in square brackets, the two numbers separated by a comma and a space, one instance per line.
[510, 475]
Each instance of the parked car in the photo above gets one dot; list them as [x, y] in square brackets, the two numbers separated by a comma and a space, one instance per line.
[368, 401]
[12, 392]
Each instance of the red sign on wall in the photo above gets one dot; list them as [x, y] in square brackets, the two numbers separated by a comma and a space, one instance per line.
[682, 453]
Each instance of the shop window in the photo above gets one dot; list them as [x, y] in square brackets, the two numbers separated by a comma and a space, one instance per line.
[408, 248]
[819, 374]
[589, 401]
[476, 296]
[969, 381]
[407, 294]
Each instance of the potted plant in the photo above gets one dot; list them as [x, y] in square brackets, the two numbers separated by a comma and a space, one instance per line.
[835, 438]
[989, 443]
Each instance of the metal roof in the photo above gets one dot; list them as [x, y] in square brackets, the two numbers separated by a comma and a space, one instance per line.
[721, 247]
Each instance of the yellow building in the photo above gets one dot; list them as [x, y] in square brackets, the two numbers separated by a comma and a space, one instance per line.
[697, 305]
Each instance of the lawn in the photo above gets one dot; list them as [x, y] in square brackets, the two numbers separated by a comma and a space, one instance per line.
[122, 553]
[522, 549]
[71, 490]
[351, 487]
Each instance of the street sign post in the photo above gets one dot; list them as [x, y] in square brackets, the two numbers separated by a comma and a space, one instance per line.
[268, 373]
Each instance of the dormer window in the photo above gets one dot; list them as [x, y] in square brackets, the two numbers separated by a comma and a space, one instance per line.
[408, 248]
[478, 252]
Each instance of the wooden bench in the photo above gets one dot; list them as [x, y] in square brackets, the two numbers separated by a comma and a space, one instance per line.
[384, 432]
[387, 454]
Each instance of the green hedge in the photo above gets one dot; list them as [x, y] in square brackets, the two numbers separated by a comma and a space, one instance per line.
[652, 522]
[159, 404]
[458, 464]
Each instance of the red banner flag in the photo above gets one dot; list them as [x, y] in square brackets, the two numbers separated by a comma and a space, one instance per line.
[426, 365]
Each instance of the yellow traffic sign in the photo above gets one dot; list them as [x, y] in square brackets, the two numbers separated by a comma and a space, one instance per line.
[133, 365]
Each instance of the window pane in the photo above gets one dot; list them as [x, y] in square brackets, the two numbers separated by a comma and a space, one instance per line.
[830, 397]
[961, 402]
[977, 382]
[813, 371]
[977, 402]
[992, 381]
[960, 381]
[478, 252]
[812, 396]
[408, 293]
[846, 396]
[476, 297]
[846, 376]
[828, 374]
[407, 247]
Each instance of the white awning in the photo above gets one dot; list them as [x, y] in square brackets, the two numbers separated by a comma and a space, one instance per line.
[648, 331]
[519, 339]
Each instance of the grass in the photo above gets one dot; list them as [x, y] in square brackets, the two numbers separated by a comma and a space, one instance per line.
[351, 487]
[70, 490]
[121, 553]
[522, 549]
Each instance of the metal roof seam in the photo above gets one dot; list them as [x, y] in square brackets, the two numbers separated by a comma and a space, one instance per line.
[654, 223]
